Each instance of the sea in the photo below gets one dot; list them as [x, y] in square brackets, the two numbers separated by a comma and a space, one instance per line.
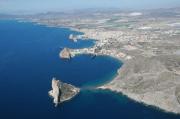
[29, 59]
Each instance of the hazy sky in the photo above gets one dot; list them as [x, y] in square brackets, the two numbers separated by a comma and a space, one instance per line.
[34, 6]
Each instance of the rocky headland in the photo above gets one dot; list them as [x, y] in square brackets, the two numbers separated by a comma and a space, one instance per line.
[65, 54]
[62, 91]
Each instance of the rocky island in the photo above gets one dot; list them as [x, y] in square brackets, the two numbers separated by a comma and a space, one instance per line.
[65, 54]
[62, 91]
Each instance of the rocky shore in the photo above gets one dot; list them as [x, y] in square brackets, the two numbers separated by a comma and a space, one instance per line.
[62, 91]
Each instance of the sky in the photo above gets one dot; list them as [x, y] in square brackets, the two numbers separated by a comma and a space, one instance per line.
[39, 6]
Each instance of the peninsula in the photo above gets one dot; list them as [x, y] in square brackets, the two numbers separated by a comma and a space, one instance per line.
[62, 91]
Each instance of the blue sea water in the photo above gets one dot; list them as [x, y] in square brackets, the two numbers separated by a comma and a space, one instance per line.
[28, 61]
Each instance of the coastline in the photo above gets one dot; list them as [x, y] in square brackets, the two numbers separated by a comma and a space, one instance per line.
[110, 86]
[170, 105]
[163, 100]
[82, 70]
[157, 97]
[133, 97]
[129, 96]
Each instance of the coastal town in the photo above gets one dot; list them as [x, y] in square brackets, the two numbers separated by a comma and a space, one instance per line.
[147, 42]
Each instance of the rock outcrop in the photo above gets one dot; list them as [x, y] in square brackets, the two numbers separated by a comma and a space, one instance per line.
[65, 54]
[73, 38]
[62, 91]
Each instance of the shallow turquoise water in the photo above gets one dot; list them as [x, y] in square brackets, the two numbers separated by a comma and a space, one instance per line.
[28, 61]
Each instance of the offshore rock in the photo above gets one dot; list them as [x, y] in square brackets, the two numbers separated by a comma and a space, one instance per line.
[62, 91]
[65, 54]
[73, 38]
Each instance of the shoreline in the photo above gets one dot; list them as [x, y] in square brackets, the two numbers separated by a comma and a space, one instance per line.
[136, 101]
[152, 101]
[120, 85]
[131, 97]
